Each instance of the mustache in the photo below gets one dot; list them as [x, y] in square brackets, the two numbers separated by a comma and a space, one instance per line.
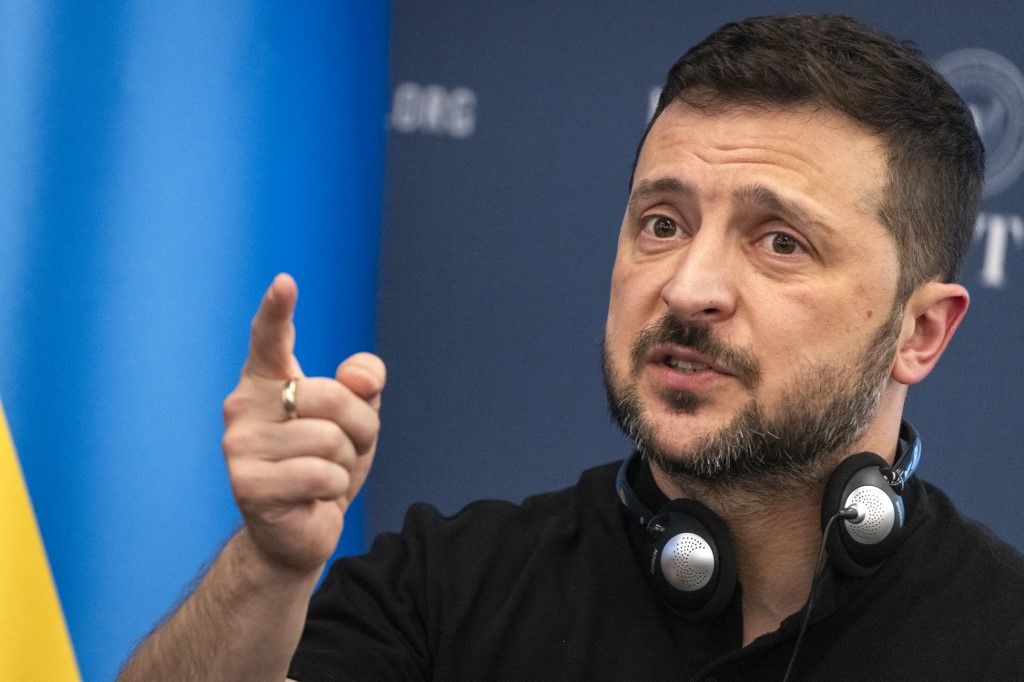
[698, 337]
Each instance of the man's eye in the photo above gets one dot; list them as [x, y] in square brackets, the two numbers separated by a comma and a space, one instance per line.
[782, 243]
[661, 227]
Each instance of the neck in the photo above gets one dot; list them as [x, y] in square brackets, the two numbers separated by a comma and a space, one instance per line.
[776, 537]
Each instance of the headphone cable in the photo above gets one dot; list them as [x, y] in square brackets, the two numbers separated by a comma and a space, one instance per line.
[819, 571]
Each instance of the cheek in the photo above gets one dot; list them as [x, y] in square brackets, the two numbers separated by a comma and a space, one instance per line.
[634, 302]
[614, 302]
[797, 326]
[822, 326]
[869, 304]
[635, 296]
[630, 290]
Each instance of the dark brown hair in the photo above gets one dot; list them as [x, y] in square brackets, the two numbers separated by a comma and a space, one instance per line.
[935, 157]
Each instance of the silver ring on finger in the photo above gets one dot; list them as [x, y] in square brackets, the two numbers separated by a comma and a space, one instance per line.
[288, 398]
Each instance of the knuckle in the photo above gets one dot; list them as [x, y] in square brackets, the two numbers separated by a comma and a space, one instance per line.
[335, 440]
[325, 438]
[329, 479]
[342, 481]
[347, 455]
[236, 443]
[321, 477]
[366, 429]
[236, 405]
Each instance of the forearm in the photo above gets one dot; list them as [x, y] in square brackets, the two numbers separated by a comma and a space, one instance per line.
[243, 622]
[297, 450]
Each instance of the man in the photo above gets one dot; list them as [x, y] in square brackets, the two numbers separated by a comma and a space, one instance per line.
[799, 207]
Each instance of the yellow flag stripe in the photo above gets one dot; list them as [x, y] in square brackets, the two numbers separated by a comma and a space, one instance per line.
[34, 641]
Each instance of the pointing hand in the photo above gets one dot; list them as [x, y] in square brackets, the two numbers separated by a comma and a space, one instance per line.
[293, 478]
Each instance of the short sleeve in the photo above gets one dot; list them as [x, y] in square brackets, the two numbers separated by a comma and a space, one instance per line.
[368, 618]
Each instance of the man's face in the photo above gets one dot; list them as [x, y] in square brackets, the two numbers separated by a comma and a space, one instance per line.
[753, 287]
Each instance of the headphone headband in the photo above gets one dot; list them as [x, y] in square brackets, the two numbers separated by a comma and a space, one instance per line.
[625, 490]
[908, 456]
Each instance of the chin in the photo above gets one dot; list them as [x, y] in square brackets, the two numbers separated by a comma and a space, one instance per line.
[678, 435]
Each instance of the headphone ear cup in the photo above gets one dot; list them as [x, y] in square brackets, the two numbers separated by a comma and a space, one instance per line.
[691, 563]
[857, 549]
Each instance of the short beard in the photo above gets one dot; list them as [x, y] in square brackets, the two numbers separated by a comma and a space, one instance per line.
[825, 411]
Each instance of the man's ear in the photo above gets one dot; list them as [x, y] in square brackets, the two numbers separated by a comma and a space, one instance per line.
[930, 317]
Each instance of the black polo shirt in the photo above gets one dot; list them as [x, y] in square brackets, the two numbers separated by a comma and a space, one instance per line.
[553, 589]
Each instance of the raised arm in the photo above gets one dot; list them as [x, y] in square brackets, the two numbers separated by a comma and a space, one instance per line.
[293, 477]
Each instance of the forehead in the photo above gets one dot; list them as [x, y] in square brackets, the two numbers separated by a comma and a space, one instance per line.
[823, 159]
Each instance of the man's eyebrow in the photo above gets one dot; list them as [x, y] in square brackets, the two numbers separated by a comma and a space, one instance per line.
[759, 196]
[660, 186]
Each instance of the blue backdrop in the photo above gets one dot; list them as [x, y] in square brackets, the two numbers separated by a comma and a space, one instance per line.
[159, 163]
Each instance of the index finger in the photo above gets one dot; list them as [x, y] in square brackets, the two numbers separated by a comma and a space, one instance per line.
[272, 342]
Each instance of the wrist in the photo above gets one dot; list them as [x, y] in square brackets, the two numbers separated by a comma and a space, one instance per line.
[254, 569]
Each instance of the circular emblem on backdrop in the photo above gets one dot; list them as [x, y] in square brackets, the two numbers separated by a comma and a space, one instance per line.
[993, 88]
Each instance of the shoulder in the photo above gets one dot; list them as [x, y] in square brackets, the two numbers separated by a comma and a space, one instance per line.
[954, 574]
[590, 499]
[420, 598]
[975, 590]
[970, 544]
[947, 599]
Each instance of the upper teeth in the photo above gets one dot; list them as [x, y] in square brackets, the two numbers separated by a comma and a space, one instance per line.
[686, 366]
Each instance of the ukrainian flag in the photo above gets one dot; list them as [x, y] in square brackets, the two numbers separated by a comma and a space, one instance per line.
[34, 642]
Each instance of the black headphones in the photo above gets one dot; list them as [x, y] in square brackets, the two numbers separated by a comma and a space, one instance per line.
[691, 561]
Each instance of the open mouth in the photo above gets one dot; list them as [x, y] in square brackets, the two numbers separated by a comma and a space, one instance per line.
[693, 355]
[685, 360]
[685, 365]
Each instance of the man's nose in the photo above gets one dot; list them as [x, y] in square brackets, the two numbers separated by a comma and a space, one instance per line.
[703, 286]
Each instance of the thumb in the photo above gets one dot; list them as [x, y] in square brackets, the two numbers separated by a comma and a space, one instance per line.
[364, 374]
[272, 340]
